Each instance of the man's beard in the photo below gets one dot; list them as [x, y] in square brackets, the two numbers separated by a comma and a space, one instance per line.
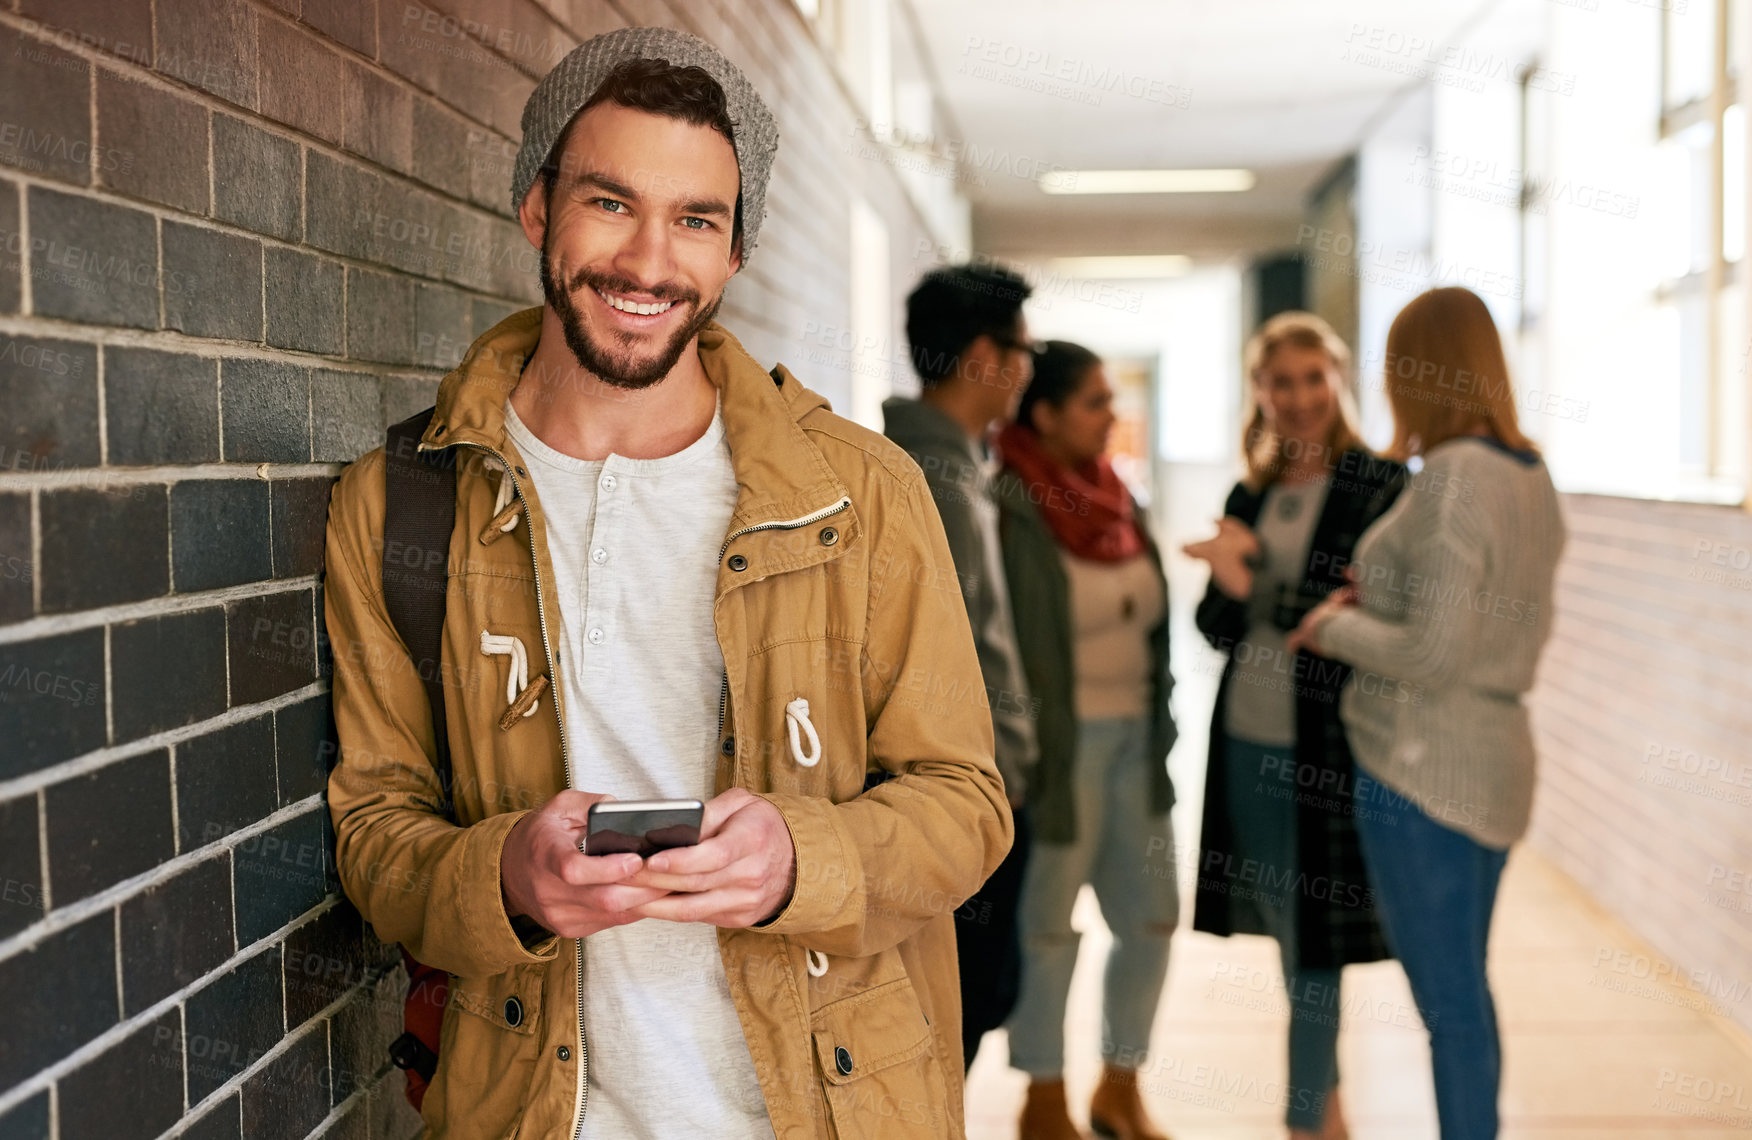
[621, 368]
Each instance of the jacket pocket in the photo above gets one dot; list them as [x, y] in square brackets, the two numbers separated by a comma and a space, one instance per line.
[879, 1069]
[510, 1001]
[487, 1054]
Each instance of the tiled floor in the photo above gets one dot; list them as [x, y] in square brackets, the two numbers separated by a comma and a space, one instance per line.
[1590, 1049]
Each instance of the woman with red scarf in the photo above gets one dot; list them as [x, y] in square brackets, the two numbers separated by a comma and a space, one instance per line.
[1091, 611]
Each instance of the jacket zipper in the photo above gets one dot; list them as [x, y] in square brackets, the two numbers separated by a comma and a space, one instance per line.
[785, 524]
[580, 1101]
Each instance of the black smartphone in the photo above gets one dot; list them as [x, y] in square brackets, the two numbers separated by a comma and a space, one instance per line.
[643, 827]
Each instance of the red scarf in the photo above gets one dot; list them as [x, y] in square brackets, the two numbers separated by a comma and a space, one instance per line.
[1088, 510]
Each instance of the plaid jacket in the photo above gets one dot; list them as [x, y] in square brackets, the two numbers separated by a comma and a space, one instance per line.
[1335, 914]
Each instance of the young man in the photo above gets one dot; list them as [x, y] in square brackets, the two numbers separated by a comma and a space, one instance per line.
[671, 575]
[971, 352]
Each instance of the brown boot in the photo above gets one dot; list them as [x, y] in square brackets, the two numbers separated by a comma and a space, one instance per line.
[1332, 1125]
[1117, 1110]
[1044, 1116]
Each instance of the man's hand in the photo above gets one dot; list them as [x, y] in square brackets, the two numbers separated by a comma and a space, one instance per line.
[546, 877]
[741, 872]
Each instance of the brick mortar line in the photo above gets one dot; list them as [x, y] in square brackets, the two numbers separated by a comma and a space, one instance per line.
[170, 533]
[182, 1028]
[42, 814]
[100, 758]
[158, 253]
[116, 932]
[102, 407]
[374, 64]
[51, 624]
[170, 340]
[346, 325]
[36, 552]
[23, 324]
[59, 478]
[160, 213]
[212, 157]
[355, 1098]
[165, 82]
[111, 898]
[119, 1032]
[111, 196]
[325, 1017]
[262, 305]
[109, 693]
[176, 844]
[26, 284]
[219, 374]
[461, 34]
[303, 227]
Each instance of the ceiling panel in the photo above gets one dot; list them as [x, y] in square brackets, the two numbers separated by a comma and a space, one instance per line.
[1283, 87]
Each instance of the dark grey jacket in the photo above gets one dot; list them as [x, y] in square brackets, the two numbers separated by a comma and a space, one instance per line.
[1041, 592]
[960, 481]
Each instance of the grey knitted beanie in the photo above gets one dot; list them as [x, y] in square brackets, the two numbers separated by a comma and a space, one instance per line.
[565, 89]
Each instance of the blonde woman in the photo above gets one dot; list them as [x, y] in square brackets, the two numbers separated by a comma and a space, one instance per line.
[1278, 848]
[1451, 608]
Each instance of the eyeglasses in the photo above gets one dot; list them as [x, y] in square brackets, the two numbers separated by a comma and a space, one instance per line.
[1033, 347]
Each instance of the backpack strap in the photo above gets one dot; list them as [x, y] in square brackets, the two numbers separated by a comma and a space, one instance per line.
[419, 514]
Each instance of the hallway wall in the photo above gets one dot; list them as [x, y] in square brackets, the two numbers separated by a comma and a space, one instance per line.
[237, 238]
[1645, 782]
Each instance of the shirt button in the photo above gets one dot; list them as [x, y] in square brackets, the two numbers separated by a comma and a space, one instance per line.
[609, 482]
[596, 636]
[599, 556]
[842, 1061]
[513, 1012]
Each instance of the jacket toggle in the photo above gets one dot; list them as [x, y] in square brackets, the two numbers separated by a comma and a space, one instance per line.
[796, 721]
[506, 506]
[521, 695]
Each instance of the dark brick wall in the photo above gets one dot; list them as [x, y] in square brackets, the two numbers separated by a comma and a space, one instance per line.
[236, 238]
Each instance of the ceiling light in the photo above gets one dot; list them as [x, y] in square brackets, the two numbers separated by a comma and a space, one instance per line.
[1127, 265]
[1146, 181]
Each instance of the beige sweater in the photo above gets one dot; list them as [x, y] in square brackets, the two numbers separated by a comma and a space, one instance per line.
[1456, 583]
[1114, 605]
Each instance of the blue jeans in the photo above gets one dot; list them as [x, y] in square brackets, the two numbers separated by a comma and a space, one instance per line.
[1126, 853]
[1435, 889]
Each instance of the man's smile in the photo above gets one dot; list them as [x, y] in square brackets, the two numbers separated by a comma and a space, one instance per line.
[634, 307]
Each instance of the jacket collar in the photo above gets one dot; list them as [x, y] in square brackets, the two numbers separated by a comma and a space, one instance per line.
[780, 474]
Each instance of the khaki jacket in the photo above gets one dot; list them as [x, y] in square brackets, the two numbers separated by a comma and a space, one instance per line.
[834, 584]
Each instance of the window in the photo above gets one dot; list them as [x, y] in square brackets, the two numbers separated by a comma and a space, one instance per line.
[1535, 235]
[1701, 169]
[873, 356]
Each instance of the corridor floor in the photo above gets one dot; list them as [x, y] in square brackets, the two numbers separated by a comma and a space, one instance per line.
[1594, 1045]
